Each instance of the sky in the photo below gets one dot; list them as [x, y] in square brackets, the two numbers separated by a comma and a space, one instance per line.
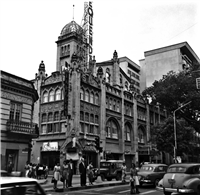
[30, 28]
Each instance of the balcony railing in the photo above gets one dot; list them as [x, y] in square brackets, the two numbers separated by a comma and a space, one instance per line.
[22, 128]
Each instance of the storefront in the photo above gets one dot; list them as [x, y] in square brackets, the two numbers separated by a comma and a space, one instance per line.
[50, 154]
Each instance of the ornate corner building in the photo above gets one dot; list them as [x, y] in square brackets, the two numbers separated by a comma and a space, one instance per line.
[82, 102]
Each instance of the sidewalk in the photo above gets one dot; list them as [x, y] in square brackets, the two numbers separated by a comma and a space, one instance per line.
[48, 186]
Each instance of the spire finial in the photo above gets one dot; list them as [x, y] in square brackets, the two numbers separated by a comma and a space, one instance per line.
[73, 12]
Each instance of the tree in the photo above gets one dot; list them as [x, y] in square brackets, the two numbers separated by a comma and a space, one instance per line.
[162, 135]
[174, 90]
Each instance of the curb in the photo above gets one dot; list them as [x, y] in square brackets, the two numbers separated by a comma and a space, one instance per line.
[86, 187]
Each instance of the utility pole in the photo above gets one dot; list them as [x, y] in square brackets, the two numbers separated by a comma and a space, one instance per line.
[175, 134]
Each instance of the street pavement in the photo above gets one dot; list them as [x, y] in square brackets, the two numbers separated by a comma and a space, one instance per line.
[48, 186]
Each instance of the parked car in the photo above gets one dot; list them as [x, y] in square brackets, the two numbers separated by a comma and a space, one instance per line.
[151, 173]
[20, 186]
[4, 173]
[183, 178]
[110, 169]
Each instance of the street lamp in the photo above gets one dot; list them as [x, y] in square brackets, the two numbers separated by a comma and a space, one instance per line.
[175, 137]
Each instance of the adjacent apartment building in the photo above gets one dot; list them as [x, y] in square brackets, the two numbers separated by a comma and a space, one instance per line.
[18, 96]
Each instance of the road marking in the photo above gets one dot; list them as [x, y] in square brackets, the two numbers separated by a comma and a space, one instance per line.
[108, 188]
[140, 192]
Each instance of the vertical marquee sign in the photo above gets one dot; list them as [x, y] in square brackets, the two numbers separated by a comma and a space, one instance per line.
[90, 18]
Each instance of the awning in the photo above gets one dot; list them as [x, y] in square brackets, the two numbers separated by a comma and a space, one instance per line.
[73, 156]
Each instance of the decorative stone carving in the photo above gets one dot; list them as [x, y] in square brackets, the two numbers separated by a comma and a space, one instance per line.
[18, 98]
[53, 80]
[52, 107]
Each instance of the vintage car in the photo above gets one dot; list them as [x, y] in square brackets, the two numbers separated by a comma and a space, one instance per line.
[183, 178]
[109, 169]
[4, 173]
[151, 173]
[20, 186]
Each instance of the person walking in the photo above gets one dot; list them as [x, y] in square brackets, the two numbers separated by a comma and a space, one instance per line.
[123, 172]
[71, 172]
[10, 167]
[65, 173]
[133, 172]
[56, 174]
[90, 173]
[27, 168]
[82, 170]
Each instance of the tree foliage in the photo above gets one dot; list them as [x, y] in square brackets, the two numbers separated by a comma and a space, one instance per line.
[174, 90]
[162, 135]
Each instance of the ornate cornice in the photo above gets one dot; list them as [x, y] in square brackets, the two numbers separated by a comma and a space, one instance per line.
[16, 80]
[15, 97]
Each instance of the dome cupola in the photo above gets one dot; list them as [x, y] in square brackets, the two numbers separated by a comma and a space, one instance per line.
[71, 27]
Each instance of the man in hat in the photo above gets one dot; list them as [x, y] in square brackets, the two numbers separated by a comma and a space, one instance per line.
[82, 170]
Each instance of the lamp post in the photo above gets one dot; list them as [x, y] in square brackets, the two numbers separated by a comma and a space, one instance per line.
[175, 137]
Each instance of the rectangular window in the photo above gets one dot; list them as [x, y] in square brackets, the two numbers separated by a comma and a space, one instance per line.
[50, 128]
[63, 128]
[96, 130]
[56, 116]
[91, 130]
[44, 129]
[15, 111]
[86, 128]
[56, 127]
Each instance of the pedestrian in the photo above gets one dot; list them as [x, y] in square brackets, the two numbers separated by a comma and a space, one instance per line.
[123, 172]
[134, 172]
[10, 167]
[82, 170]
[132, 184]
[65, 173]
[90, 173]
[46, 171]
[71, 172]
[56, 174]
[26, 167]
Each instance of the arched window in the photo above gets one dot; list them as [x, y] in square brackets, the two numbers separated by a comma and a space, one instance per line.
[50, 116]
[92, 98]
[82, 94]
[87, 96]
[141, 135]
[44, 117]
[58, 94]
[126, 85]
[97, 99]
[120, 79]
[127, 133]
[108, 75]
[51, 96]
[56, 116]
[45, 97]
[112, 129]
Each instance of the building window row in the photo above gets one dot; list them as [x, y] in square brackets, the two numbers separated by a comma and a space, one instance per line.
[132, 74]
[89, 128]
[88, 96]
[89, 118]
[54, 127]
[128, 109]
[52, 95]
[112, 104]
[65, 50]
[56, 116]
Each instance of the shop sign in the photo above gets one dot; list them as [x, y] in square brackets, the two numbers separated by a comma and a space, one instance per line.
[50, 146]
